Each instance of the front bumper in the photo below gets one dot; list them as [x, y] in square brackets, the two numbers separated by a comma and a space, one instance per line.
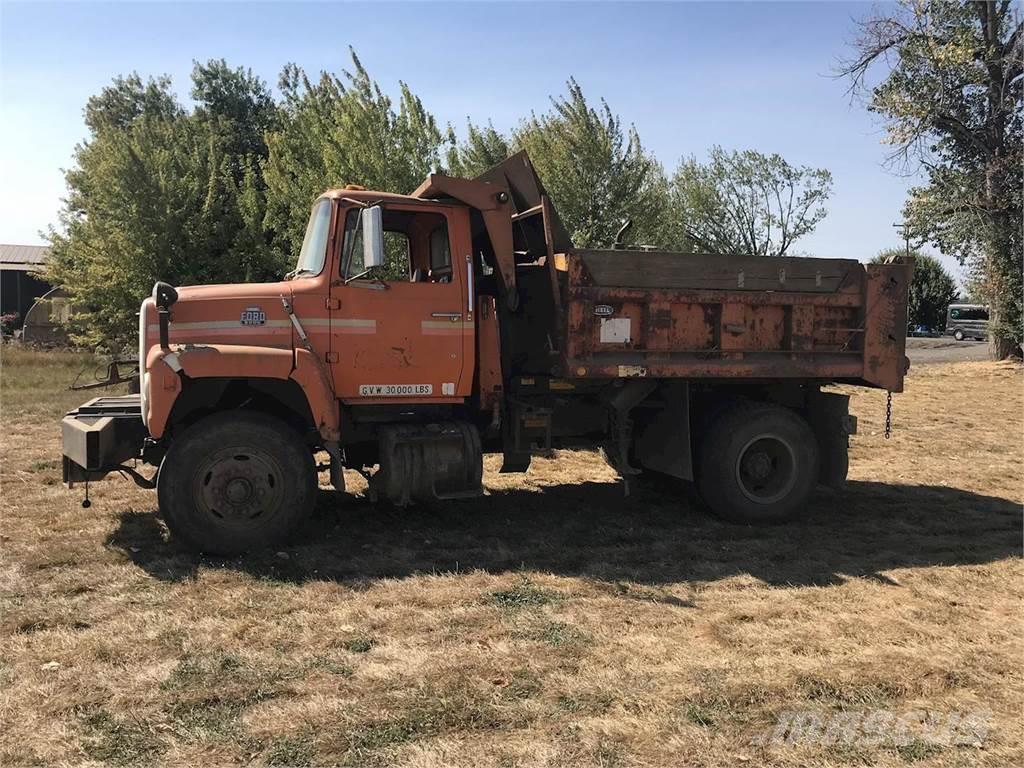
[100, 435]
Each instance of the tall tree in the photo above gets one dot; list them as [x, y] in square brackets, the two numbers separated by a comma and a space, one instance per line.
[239, 103]
[342, 130]
[932, 290]
[155, 192]
[947, 79]
[597, 171]
[236, 109]
[482, 148]
[745, 202]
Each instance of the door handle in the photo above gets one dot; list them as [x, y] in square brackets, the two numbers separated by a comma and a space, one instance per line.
[450, 315]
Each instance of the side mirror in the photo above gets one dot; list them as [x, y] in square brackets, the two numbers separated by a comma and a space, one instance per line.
[164, 294]
[373, 237]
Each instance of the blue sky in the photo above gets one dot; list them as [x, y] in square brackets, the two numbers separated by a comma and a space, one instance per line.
[688, 75]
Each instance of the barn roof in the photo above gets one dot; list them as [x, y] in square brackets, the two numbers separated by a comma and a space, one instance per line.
[23, 258]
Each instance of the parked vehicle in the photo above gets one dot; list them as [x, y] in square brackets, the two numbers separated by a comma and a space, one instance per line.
[497, 336]
[922, 331]
[967, 321]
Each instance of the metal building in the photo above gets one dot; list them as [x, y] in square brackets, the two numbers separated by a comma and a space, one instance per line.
[20, 282]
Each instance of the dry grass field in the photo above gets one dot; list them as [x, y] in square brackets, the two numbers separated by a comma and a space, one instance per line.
[552, 622]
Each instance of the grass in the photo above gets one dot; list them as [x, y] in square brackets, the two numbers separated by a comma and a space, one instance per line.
[523, 594]
[552, 622]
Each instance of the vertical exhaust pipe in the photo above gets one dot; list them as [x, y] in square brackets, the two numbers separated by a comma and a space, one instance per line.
[164, 296]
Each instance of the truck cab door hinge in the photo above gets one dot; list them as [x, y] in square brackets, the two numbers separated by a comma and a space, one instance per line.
[332, 303]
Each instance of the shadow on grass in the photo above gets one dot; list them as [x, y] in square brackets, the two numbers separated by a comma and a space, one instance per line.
[590, 530]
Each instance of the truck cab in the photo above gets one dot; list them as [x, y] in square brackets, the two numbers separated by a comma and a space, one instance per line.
[418, 332]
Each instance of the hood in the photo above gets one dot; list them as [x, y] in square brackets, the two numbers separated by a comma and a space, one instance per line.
[248, 313]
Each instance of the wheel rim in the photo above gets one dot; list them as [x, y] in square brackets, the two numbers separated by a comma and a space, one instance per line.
[237, 486]
[766, 469]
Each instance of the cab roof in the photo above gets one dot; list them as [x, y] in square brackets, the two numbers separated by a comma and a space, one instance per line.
[371, 196]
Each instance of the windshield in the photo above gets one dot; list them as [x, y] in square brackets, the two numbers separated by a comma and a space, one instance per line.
[314, 244]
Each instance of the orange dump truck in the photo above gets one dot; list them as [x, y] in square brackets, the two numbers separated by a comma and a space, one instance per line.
[418, 332]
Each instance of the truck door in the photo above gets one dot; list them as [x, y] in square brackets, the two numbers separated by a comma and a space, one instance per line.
[403, 332]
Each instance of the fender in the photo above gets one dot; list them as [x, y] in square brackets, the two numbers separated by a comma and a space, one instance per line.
[198, 361]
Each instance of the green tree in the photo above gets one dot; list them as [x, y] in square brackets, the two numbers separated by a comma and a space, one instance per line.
[236, 109]
[337, 131]
[483, 148]
[156, 192]
[597, 172]
[744, 202]
[238, 103]
[947, 79]
[932, 290]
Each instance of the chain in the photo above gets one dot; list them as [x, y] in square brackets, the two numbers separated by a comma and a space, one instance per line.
[888, 415]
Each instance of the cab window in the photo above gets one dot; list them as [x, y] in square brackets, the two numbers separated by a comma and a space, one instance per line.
[440, 250]
[314, 244]
[416, 247]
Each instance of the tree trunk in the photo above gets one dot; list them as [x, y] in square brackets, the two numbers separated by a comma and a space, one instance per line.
[1002, 262]
[1001, 347]
[1003, 287]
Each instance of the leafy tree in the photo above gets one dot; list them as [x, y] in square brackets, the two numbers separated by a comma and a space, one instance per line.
[237, 102]
[129, 98]
[221, 192]
[337, 131]
[744, 202]
[596, 171]
[950, 90]
[237, 110]
[157, 193]
[932, 290]
[483, 148]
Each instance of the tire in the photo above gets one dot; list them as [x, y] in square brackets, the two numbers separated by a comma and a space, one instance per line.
[958, 335]
[236, 482]
[758, 464]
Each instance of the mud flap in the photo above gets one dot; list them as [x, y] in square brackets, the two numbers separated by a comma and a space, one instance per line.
[828, 414]
[662, 437]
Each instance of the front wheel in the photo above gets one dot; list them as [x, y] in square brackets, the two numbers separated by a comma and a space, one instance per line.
[958, 335]
[236, 482]
[758, 464]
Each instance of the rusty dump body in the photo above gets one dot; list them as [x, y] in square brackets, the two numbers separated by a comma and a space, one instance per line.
[713, 316]
[488, 331]
[620, 313]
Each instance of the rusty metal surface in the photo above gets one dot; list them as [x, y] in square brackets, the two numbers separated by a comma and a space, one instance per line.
[515, 210]
[519, 176]
[661, 269]
[885, 324]
[855, 331]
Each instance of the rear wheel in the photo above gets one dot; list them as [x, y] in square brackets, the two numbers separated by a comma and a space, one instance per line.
[236, 482]
[758, 464]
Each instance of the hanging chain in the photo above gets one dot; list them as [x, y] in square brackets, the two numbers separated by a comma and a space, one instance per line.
[888, 415]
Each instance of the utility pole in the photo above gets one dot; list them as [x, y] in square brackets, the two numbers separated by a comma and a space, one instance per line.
[905, 231]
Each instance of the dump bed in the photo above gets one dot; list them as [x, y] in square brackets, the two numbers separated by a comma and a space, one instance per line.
[656, 314]
[615, 313]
